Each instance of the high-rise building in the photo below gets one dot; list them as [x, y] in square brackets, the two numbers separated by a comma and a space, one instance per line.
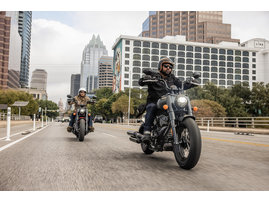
[197, 26]
[25, 25]
[223, 64]
[39, 79]
[4, 48]
[14, 51]
[89, 65]
[75, 84]
[105, 71]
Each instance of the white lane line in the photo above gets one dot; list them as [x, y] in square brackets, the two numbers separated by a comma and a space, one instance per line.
[15, 142]
[109, 135]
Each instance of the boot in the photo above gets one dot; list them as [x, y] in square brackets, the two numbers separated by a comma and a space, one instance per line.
[91, 129]
[69, 129]
[146, 136]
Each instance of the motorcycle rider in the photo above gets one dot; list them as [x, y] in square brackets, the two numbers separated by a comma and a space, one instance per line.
[81, 98]
[158, 89]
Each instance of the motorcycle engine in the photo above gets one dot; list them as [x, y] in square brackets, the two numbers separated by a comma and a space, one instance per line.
[162, 120]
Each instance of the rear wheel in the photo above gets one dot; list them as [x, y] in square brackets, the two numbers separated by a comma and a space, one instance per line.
[82, 131]
[187, 153]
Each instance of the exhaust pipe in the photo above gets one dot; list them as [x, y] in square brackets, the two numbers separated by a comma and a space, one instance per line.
[134, 140]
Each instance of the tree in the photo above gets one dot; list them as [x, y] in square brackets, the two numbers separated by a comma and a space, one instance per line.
[121, 105]
[11, 96]
[103, 93]
[208, 108]
[51, 106]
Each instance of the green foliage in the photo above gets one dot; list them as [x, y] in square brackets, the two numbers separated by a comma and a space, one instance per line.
[11, 96]
[103, 93]
[208, 108]
[121, 105]
[51, 106]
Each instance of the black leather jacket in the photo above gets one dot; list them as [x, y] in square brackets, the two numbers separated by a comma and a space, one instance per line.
[156, 90]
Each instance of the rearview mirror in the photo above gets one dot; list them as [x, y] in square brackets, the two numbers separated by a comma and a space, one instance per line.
[69, 96]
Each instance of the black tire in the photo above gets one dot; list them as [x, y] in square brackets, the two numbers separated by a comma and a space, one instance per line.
[146, 148]
[82, 131]
[188, 153]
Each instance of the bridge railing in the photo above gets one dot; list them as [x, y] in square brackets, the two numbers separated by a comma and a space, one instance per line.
[234, 122]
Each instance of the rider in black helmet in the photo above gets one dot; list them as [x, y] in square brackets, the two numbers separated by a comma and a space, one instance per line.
[156, 90]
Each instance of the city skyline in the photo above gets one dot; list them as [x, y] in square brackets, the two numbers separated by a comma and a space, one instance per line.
[58, 44]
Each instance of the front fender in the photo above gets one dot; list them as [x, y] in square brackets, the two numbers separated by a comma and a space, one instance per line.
[181, 119]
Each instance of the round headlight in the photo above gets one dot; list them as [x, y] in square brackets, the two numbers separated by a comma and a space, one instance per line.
[181, 101]
[82, 111]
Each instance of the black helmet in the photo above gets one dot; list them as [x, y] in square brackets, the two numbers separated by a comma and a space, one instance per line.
[164, 60]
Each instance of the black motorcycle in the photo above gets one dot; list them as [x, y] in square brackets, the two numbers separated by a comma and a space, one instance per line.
[80, 126]
[174, 127]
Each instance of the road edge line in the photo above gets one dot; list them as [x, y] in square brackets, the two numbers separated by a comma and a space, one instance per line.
[21, 139]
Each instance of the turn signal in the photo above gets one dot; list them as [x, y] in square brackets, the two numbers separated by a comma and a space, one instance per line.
[165, 107]
[195, 109]
[74, 114]
[89, 114]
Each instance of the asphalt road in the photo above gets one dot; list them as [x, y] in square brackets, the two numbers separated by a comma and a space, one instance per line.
[53, 159]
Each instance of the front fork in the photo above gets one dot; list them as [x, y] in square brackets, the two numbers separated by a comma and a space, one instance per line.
[172, 120]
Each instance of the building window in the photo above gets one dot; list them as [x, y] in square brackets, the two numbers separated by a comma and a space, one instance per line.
[127, 49]
[181, 73]
[137, 43]
[238, 52]
[222, 76]
[155, 45]
[136, 57]
[253, 65]
[172, 53]
[206, 50]
[198, 68]
[238, 71]
[229, 70]
[230, 82]
[126, 76]
[181, 66]
[214, 50]
[137, 63]
[164, 52]
[206, 56]
[172, 47]
[155, 58]
[245, 77]
[198, 49]
[126, 69]
[137, 50]
[222, 64]
[127, 62]
[136, 76]
[230, 58]
[189, 54]
[253, 53]
[189, 48]
[145, 64]
[136, 70]
[229, 64]
[206, 69]
[127, 42]
[198, 62]
[189, 67]
[222, 51]
[155, 51]
[253, 59]
[181, 47]
[230, 52]
[206, 75]
[221, 57]
[181, 54]
[245, 71]
[230, 76]
[214, 69]
[127, 55]
[126, 82]
[221, 82]
[253, 71]
[245, 59]
[146, 44]
[146, 51]
[214, 75]
[198, 55]
[206, 62]
[238, 59]
[245, 53]
[181, 60]
[145, 57]
[214, 57]
[222, 70]
[245, 65]
[154, 64]
[253, 78]
[189, 61]
[164, 45]
[238, 65]
[237, 77]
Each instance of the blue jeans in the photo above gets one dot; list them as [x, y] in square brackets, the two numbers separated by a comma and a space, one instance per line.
[150, 116]
[72, 120]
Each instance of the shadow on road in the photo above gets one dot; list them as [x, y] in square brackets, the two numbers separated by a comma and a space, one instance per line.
[74, 139]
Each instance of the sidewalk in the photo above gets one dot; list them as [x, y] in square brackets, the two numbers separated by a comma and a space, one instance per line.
[3, 124]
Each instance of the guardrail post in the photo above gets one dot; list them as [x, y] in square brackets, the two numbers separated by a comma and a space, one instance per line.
[202, 120]
[223, 122]
[236, 122]
[208, 126]
[8, 123]
[34, 123]
[252, 123]
[212, 122]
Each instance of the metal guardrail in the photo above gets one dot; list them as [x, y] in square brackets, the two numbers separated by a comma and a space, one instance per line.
[3, 117]
[232, 122]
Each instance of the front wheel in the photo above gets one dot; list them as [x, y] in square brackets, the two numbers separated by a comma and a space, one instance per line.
[82, 129]
[187, 153]
[146, 148]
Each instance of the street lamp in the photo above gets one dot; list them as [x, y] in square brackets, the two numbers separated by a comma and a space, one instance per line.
[129, 105]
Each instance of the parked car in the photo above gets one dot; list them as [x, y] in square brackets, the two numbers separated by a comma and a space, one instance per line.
[98, 119]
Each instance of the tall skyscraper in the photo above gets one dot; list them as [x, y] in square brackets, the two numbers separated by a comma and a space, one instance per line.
[105, 71]
[25, 25]
[14, 51]
[197, 26]
[4, 48]
[75, 84]
[89, 65]
[39, 79]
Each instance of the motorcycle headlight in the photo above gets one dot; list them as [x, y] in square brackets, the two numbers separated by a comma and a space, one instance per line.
[82, 111]
[181, 101]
